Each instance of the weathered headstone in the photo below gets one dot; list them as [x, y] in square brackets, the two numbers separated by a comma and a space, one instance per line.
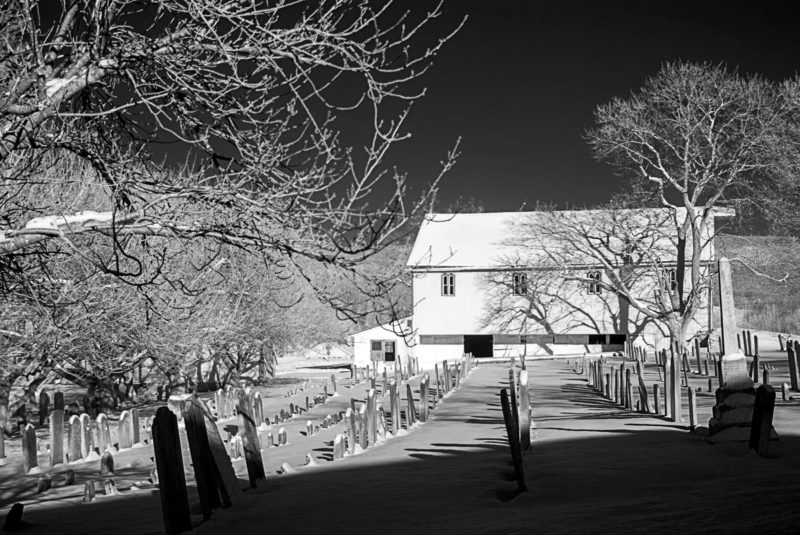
[282, 437]
[56, 437]
[87, 438]
[692, 409]
[424, 387]
[58, 401]
[657, 398]
[44, 407]
[107, 464]
[171, 479]
[45, 482]
[792, 349]
[338, 447]
[761, 428]
[74, 446]
[29, 449]
[411, 411]
[103, 433]
[88, 491]
[135, 426]
[352, 430]
[362, 427]
[125, 430]
[309, 428]
[513, 439]
[524, 411]
[250, 443]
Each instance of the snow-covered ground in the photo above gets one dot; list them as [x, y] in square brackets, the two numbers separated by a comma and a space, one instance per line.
[593, 468]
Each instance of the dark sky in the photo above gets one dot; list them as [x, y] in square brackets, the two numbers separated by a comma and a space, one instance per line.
[520, 82]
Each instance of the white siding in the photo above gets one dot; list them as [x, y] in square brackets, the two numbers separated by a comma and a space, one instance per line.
[457, 314]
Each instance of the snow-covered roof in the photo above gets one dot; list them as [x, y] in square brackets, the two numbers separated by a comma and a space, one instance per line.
[488, 240]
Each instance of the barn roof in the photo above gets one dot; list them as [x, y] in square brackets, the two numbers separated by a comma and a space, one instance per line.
[487, 240]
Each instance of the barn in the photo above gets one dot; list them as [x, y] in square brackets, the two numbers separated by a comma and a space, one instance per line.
[464, 265]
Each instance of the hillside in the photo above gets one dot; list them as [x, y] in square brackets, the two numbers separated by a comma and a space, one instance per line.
[765, 303]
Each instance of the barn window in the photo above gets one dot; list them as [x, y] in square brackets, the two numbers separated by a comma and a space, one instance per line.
[672, 279]
[448, 284]
[520, 284]
[595, 285]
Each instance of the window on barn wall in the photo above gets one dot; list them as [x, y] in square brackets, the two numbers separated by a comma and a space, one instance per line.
[672, 279]
[595, 287]
[448, 284]
[520, 284]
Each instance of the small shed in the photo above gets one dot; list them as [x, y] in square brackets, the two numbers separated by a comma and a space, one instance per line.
[389, 342]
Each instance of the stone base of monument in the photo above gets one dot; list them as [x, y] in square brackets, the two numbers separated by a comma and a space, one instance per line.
[733, 413]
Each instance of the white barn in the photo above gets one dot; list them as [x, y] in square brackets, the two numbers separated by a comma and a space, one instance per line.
[458, 259]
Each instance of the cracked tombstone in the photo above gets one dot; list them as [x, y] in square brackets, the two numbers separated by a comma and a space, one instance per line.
[338, 447]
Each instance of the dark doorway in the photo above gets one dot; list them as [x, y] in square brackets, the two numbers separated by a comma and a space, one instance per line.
[480, 345]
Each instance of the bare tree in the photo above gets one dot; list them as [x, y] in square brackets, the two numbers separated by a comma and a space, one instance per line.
[255, 94]
[609, 270]
[693, 139]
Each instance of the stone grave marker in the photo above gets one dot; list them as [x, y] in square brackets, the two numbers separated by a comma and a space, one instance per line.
[372, 417]
[171, 479]
[352, 429]
[424, 393]
[74, 446]
[524, 411]
[103, 433]
[282, 437]
[87, 439]
[338, 447]
[56, 437]
[362, 427]
[58, 401]
[250, 442]
[761, 429]
[125, 430]
[411, 412]
[88, 491]
[30, 449]
[44, 407]
[135, 426]
[107, 464]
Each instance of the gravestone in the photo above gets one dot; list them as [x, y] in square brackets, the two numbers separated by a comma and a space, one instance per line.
[87, 440]
[58, 401]
[362, 427]
[74, 446]
[761, 428]
[125, 431]
[107, 464]
[352, 430]
[309, 428]
[423, 397]
[171, 478]
[733, 412]
[524, 411]
[282, 437]
[135, 426]
[29, 449]
[338, 447]
[88, 491]
[56, 437]
[44, 407]
[250, 443]
[411, 412]
[372, 417]
[103, 433]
